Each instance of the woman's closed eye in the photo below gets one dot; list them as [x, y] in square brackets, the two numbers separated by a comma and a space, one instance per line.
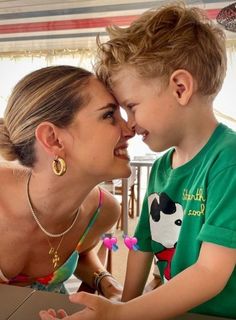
[109, 115]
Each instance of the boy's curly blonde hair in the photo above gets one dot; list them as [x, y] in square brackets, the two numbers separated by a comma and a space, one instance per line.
[163, 40]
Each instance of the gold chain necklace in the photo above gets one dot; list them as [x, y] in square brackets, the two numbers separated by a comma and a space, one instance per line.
[49, 234]
[54, 252]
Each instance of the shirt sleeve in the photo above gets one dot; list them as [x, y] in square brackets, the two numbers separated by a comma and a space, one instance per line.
[220, 215]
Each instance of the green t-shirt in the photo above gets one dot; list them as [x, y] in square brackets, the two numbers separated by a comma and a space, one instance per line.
[188, 205]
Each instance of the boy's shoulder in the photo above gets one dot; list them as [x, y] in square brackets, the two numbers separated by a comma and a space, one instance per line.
[220, 154]
[226, 140]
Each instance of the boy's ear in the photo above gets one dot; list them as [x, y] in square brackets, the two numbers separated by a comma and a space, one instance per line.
[182, 84]
[47, 134]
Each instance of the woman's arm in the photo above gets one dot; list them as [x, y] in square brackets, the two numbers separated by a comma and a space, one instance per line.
[138, 268]
[89, 262]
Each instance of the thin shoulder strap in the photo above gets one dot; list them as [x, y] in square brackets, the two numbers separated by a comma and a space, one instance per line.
[93, 219]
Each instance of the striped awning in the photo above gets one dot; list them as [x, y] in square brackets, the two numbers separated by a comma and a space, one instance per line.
[41, 24]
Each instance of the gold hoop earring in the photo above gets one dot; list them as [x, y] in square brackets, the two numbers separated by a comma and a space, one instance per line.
[59, 166]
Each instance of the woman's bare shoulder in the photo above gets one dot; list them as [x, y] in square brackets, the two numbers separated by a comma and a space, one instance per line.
[110, 208]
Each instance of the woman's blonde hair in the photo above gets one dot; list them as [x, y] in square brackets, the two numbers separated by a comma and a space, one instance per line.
[51, 94]
[163, 40]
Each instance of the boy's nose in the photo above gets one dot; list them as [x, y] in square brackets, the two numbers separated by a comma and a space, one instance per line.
[127, 131]
[131, 122]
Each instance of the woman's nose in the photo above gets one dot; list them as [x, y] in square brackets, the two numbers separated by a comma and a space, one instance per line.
[131, 123]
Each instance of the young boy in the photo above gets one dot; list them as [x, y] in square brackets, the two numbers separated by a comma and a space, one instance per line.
[165, 70]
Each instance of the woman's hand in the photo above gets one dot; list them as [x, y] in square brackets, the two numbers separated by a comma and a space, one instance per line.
[111, 289]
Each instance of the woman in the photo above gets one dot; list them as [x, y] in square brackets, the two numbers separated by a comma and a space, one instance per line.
[67, 133]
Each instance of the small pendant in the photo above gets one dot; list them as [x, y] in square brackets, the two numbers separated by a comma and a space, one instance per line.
[55, 259]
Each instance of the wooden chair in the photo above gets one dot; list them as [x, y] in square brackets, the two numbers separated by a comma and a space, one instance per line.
[132, 196]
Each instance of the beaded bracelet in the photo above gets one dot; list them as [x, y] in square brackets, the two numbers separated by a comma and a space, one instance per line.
[98, 276]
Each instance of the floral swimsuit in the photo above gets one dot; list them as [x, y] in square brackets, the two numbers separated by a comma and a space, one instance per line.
[54, 282]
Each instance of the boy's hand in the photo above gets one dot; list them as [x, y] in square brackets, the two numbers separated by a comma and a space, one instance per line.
[51, 314]
[97, 308]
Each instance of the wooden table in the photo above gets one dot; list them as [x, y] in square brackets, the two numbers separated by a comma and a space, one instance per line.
[19, 303]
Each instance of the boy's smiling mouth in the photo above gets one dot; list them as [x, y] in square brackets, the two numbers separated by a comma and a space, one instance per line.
[143, 133]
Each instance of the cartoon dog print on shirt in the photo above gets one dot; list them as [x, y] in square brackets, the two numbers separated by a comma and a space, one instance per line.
[165, 222]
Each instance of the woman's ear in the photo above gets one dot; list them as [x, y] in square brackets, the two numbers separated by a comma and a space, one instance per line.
[182, 84]
[48, 136]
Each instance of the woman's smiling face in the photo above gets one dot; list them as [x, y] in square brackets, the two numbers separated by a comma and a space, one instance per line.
[100, 135]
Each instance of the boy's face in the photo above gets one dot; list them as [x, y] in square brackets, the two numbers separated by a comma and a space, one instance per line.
[151, 108]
